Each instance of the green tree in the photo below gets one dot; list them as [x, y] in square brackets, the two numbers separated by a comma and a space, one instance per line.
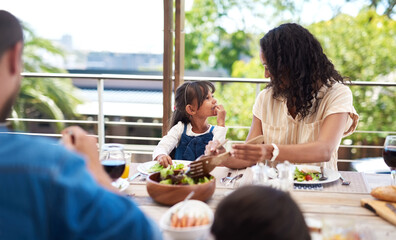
[209, 44]
[363, 49]
[41, 97]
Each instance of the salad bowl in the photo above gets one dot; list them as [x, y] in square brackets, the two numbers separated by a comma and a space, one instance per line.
[169, 194]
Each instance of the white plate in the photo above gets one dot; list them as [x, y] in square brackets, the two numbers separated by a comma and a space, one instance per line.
[144, 167]
[331, 175]
[121, 184]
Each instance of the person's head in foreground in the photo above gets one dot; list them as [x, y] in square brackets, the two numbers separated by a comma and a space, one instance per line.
[258, 212]
[11, 47]
[297, 66]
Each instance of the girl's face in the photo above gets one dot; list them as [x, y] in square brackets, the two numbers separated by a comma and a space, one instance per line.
[207, 108]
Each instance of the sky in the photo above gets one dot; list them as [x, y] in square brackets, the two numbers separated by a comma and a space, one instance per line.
[132, 26]
[98, 25]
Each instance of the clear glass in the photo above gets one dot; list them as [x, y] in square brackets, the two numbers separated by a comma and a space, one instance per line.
[275, 174]
[389, 155]
[259, 174]
[112, 158]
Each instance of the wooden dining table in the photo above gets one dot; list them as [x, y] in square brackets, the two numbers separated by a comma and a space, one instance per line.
[334, 205]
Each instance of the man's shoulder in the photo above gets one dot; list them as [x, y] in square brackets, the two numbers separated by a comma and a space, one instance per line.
[24, 147]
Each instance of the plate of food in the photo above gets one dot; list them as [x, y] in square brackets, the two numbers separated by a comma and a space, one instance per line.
[120, 184]
[154, 166]
[309, 174]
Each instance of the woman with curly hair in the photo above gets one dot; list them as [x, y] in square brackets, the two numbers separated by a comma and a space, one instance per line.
[304, 111]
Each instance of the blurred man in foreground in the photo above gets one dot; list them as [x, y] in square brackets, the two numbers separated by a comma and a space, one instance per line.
[48, 192]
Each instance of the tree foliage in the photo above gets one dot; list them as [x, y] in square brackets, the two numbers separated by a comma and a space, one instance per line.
[40, 97]
[363, 49]
[208, 44]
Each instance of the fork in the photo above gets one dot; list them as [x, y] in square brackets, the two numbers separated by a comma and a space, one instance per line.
[322, 177]
[228, 177]
[205, 164]
[344, 182]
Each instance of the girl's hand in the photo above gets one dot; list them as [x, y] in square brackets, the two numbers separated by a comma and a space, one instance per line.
[221, 114]
[252, 152]
[212, 148]
[164, 160]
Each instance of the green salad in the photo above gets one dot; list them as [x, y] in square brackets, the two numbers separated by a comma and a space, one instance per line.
[168, 176]
[158, 167]
[301, 176]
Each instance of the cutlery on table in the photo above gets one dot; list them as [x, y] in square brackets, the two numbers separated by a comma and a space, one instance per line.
[130, 179]
[322, 177]
[228, 177]
[234, 179]
[344, 182]
[143, 177]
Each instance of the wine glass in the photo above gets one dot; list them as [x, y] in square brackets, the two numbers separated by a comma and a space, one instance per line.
[389, 154]
[112, 159]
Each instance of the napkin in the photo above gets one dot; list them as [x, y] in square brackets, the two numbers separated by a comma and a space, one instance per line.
[386, 210]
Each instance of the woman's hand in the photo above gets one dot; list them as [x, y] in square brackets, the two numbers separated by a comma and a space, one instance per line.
[212, 148]
[164, 160]
[252, 152]
[221, 114]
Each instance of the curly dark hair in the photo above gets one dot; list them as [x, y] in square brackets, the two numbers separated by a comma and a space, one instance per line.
[298, 66]
[186, 94]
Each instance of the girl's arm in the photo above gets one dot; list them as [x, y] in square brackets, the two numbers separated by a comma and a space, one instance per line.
[244, 155]
[169, 141]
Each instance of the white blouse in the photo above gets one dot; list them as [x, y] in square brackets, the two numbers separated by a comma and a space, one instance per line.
[280, 127]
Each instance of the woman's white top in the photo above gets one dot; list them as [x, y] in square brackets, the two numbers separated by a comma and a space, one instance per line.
[280, 127]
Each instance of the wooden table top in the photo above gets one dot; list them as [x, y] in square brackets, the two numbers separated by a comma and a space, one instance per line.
[331, 208]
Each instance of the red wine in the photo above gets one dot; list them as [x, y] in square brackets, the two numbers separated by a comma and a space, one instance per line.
[389, 155]
[114, 168]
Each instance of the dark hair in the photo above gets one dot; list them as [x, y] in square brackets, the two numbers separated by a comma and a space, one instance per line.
[258, 212]
[11, 31]
[186, 94]
[298, 66]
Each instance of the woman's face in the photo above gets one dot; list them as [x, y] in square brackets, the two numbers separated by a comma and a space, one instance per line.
[267, 74]
[283, 84]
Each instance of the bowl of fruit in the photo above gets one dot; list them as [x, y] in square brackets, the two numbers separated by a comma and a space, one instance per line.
[170, 186]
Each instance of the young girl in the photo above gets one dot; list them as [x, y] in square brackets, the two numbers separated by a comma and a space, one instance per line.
[190, 130]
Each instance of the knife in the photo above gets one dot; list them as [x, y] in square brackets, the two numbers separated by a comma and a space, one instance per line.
[134, 176]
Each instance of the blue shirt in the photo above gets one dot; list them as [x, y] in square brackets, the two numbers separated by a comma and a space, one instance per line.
[46, 192]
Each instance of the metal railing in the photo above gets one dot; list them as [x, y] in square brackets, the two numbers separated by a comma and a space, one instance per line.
[100, 78]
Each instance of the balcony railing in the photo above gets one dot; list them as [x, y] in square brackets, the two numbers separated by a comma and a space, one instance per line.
[144, 149]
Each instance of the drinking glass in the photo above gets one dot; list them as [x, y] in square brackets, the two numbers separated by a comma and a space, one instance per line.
[389, 154]
[113, 160]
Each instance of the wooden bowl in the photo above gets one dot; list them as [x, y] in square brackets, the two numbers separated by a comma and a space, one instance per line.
[172, 194]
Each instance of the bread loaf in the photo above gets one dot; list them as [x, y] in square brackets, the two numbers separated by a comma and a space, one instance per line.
[385, 193]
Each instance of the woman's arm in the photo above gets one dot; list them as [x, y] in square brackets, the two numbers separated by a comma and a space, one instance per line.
[256, 129]
[331, 132]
